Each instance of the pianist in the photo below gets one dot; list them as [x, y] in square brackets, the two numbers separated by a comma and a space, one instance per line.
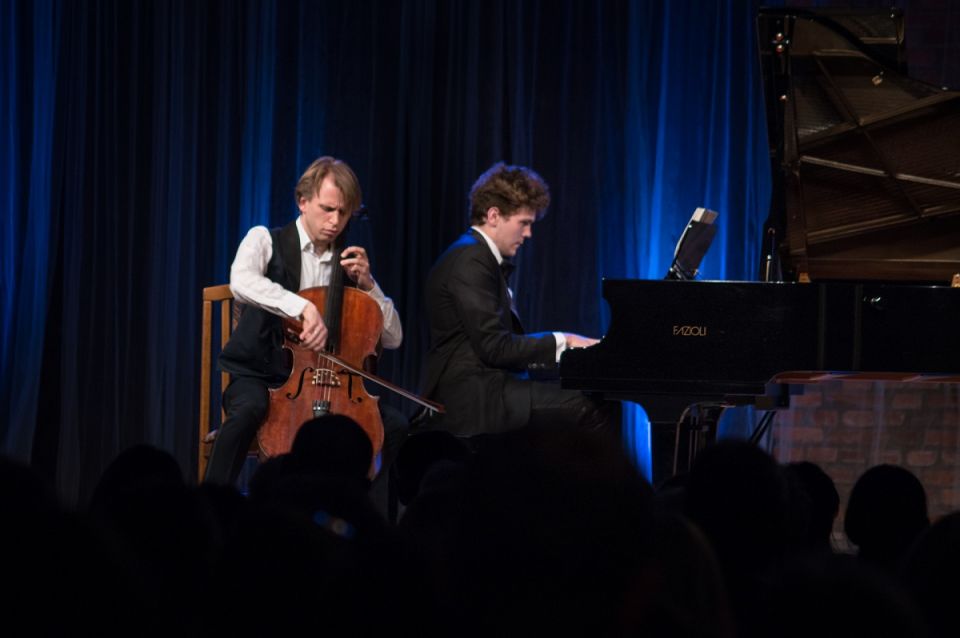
[480, 358]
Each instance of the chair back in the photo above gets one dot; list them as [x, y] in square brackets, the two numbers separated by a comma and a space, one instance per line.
[221, 298]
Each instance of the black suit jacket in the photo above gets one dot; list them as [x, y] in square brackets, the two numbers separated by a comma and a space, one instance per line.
[479, 356]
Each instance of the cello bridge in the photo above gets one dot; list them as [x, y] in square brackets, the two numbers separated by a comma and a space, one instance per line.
[326, 377]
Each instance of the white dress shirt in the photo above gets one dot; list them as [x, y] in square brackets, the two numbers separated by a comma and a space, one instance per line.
[250, 285]
[561, 340]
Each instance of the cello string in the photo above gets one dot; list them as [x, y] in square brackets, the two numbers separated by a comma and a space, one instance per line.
[323, 390]
[324, 372]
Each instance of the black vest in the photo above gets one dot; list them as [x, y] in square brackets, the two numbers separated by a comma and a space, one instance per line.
[255, 346]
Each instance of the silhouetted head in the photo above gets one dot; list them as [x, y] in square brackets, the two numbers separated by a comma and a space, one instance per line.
[268, 473]
[820, 503]
[139, 467]
[555, 530]
[333, 445]
[886, 512]
[312, 575]
[421, 452]
[736, 494]
[684, 594]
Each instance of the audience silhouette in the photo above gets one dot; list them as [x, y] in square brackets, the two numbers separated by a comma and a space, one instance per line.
[834, 595]
[815, 504]
[171, 532]
[534, 532]
[545, 532]
[930, 574]
[886, 511]
[434, 451]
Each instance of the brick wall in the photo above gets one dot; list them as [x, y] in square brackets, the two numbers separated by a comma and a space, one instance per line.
[848, 427]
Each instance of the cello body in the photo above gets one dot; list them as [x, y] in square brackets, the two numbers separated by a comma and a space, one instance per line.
[317, 385]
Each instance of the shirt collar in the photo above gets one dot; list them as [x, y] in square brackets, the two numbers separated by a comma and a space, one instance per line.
[306, 245]
[493, 246]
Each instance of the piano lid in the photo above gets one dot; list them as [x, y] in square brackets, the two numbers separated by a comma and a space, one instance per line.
[866, 160]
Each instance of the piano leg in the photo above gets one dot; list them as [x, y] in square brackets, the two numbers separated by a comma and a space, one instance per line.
[694, 431]
[679, 430]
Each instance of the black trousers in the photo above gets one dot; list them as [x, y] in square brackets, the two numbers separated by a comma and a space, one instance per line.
[553, 406]
[245, 402]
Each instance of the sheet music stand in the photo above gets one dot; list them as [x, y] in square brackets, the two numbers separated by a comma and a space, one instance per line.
[693, 245]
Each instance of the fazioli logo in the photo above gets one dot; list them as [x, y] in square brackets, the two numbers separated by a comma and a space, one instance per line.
[689, 331]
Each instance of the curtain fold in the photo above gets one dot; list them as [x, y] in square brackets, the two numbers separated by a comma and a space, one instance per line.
[30, 33]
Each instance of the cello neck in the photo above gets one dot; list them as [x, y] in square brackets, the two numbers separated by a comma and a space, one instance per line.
[333, 309]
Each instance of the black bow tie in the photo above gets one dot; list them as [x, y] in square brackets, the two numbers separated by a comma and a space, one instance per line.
[506, 268]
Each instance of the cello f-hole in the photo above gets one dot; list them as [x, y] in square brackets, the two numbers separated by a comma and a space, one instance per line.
[303, 373]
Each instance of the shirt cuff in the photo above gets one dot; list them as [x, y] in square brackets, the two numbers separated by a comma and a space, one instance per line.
[561, 344]
[376, 292]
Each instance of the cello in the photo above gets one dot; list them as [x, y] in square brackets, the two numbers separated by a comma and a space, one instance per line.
[331, 381]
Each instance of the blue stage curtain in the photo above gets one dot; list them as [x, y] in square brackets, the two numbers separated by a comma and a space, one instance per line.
[693, 135]
[29, 43]
[141, 141]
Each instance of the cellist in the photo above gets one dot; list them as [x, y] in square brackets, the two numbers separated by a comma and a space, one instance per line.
[271, 265]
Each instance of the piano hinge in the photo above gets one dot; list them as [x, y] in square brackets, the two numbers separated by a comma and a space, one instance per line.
[956, 280]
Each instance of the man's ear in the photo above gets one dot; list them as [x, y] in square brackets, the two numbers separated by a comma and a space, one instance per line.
[493, 216]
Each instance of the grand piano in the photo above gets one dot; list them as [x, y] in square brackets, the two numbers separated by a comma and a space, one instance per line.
[860, 258]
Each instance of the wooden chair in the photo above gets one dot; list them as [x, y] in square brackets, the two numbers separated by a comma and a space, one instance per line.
[221, 297]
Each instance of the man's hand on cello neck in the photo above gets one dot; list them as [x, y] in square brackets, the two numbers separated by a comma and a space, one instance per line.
[356, 264]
